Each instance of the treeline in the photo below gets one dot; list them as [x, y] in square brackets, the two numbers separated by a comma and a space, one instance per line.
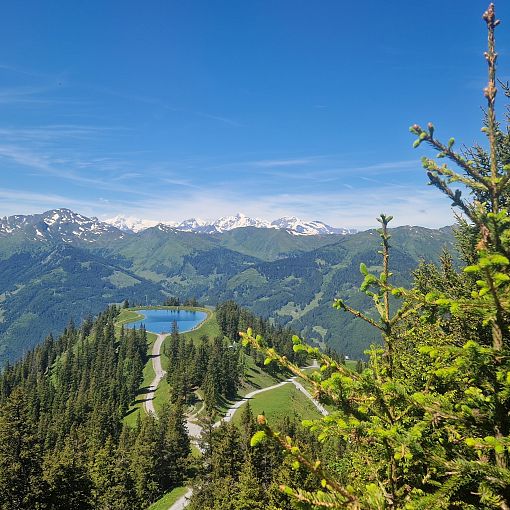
[232, 319]
[176, 301]
[236, 476]
[63, 444]
[213, 367]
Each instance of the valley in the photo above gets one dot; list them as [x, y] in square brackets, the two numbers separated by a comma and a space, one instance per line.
[61, 265]
[160, 350]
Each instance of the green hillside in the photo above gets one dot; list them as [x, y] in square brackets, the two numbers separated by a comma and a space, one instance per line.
[291, 279]
[283, 401]
[42, 290]
[270, 244]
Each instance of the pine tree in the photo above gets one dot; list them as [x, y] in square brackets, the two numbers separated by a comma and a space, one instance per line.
[67, 476]
[21, 485]
[175, 448]
[144, 462]
[249, 492]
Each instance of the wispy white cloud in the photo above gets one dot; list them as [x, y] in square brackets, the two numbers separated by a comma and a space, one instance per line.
[224, 120]
[180, 182]
[23, 94]
[56, 133]
[35, 95]
[271, 163]
[162, 104]
[63, 167]
[28, 202]
[346, 207]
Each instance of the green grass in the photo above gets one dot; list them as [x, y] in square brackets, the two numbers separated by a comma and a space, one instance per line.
[162, 396]
[209, 327]
[283, 401]
[254, 379]
[127, 315]
[351, 364]
[195, 451]
[168, 499]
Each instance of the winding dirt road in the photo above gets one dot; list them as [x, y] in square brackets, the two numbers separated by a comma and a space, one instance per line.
[195, 430]
[158, 370]
[182, 502]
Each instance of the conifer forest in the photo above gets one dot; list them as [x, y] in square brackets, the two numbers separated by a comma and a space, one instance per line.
[245, 412]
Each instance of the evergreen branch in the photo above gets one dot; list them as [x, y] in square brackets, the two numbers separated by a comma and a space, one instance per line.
[454, 176]
[490, 93]
[283, 361]
[405, 312]
[454, 196]
[318, 499]
[446, 151]
[351, 501]
[340, 305]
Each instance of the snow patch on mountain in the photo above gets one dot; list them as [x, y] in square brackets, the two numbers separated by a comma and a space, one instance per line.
[129, 223]
[292, 224]
[239, 221]
[196, 225]
[308, 228]
[58, 224]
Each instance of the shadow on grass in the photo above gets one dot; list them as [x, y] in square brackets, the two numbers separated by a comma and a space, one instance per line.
[143, 391]
[141, 400]
[131, 411]
[249, 380]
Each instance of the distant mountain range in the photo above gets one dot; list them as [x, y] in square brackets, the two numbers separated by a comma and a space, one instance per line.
[58, 225]
[292, 224]
[61, 265]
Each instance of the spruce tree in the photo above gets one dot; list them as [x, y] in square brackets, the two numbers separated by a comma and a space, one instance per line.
[21, 484]
[426, 423]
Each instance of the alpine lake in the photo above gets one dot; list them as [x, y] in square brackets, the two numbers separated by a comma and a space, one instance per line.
[162, 320]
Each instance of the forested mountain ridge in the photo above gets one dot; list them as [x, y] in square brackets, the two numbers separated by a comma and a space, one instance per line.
[63, 440]
[70, 272]
[66, 407]
[43, 289]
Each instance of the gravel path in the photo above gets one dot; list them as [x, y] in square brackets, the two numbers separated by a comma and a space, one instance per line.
[158, 370]
[316, 403]
[231, 411]
[182, 502]
[195, 430]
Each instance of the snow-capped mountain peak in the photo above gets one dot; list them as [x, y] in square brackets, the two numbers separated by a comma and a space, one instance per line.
[196, 225]
[70, 227]
[239, 221]
[129, 223]
[292, 224]
[192, 224]
[58, 224]
[300, 227]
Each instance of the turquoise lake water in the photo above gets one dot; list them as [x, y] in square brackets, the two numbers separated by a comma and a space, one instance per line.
[160, 321]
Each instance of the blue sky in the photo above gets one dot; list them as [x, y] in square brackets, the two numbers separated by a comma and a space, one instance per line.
[170, 109]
